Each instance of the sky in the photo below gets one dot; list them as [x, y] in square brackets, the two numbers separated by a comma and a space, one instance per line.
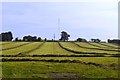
[85, 19]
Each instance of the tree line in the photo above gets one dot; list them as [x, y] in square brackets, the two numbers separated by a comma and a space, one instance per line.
[29, 38]
[8, 36]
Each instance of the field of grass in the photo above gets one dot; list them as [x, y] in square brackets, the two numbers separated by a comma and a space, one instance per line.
[104, 45]
[57, 60]
[50, 48]
[99, 46]
[44, 69]
[21, 49]
[12, 45]
[74, 47]
[110, 45]
[96, 60]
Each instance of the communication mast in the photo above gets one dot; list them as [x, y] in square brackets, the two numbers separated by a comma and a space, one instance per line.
[58, 27]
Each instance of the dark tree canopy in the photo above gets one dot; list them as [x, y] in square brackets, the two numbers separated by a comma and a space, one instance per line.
[16, 39]
[7, 36]
[81, 40]
[39, 39]
[64, 36]
[116, 41]
[45, 39]
[95, 40]
[31, 38]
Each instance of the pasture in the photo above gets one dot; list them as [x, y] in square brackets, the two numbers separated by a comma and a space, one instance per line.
[59, 60]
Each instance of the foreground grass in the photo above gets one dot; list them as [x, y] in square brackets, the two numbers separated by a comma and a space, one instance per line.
[0, 70]
[43, 69]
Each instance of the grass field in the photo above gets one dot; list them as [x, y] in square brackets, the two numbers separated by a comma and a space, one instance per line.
[74, 47]
[58, 60]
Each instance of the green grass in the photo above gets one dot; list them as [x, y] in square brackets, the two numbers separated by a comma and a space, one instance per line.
[50, 48]
[85, 44]
[0, 70]
[97, 44]
[99, 60]
[42, 69]
[74, 47]
[13, 44]
[3, 43]
[112, 45]
[88, 45]
[21, 49]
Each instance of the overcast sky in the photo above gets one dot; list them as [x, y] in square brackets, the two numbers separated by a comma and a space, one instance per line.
[80, 19]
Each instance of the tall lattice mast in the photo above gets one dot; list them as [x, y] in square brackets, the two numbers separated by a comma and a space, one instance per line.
[58, 27]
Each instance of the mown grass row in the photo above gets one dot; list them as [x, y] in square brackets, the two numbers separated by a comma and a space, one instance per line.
[94, 44]
[16, 46]
[109, 45]
[113, 66]
[37, 49]
[78, 52]
[12, 44]
[55, 55]
[22, 49]
[95, 48]
[29, 51]
[104, 45]
[5, 43]
[53, 50]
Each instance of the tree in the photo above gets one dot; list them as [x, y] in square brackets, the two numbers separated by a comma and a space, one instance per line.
[34, 38]
[95, 40]
[115, 41]
[16, 39]
[39, 38]
[109, 41]
[45, 39]
[7, 36]
[64, 36]
[81, 40]
[0, 37]
[30, 38]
